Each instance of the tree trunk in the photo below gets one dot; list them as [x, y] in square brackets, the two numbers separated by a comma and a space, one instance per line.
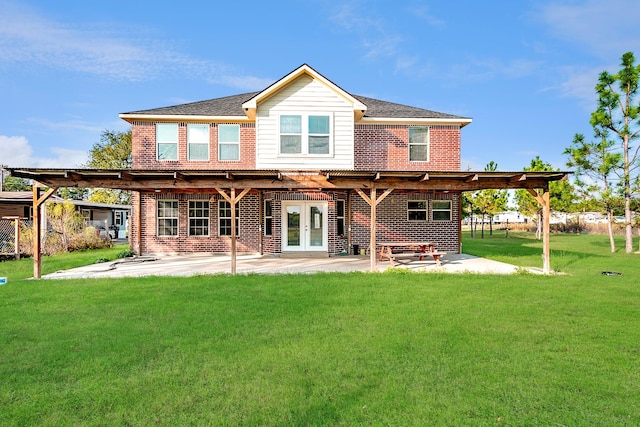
[628, 230]
[482, 232]
[610, 230]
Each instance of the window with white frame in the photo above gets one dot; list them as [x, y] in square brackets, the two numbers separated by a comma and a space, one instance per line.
[441, 210]
[224, 218]
[229, 142]
[198, 218]
[306, 134]
[319, 134]
[198, 142]
[340, 223]
[167, 217]
[419, 144]
[268, 217]
[167, 141]
[417, 210]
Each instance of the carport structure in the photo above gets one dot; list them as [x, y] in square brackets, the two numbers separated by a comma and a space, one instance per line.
[233, 185]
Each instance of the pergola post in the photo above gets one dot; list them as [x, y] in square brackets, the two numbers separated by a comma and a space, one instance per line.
[17, 238]
[38, 201]
[233, 200]
[544, 201]
[139, 220]
[373, 201]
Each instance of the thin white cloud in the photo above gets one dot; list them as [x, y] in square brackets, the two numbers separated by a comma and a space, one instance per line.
[379, 40]
[599, 27]
[422, 12]
[17, 152]
[374, 35]
[75, 125]
[580, 84]
[475, 70]
[104, 49]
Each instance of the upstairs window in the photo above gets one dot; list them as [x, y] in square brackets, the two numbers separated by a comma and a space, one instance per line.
[198, 142]
[167, 141]
[319, 135]
[229, 142]
[418, 144]
[290, 134]
[305, 134]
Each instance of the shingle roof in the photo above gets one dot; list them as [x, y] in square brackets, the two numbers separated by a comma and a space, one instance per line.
[226, 106]
[232, 106]
[384, 109]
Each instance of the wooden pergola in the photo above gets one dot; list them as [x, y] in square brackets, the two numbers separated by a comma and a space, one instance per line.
[233, 185]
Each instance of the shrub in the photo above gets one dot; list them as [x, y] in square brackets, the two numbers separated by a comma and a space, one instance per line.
[54, 242]
[125, 253]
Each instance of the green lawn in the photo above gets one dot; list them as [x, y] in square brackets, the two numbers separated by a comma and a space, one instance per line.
[397, 348]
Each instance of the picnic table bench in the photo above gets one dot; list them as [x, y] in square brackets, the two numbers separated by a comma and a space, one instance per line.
[405, 252]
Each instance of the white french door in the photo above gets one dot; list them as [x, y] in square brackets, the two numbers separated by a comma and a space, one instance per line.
[304, 226]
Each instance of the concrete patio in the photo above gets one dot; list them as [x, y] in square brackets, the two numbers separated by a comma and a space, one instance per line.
[198, 264]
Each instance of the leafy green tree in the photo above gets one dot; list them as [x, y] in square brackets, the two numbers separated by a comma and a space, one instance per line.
[112, 152]
[618, 114]
[597, 161]
[561, 195]
[491, 201]
[469, 210]
[72, 193]
[12, 183]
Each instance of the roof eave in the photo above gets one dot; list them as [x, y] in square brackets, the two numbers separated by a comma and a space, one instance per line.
[131, 117]
[462, 121]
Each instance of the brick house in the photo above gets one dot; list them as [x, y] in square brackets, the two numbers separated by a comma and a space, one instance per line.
[301, 168]
[303, 122]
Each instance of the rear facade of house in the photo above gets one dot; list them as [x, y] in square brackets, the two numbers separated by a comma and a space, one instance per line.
[302, 124]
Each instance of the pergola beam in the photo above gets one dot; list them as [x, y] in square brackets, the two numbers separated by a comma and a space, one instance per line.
[194, 181]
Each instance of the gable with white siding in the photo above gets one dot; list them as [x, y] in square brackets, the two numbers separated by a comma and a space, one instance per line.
[305, 95]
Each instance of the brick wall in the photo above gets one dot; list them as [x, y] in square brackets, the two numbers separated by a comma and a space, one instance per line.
[376, 147]
[248, 232]
[143, 153]
[392, 224]
[386, 147]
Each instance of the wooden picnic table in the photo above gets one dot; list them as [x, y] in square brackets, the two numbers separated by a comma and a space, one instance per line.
[408, 251]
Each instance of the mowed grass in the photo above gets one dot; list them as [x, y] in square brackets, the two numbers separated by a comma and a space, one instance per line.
[397, 348]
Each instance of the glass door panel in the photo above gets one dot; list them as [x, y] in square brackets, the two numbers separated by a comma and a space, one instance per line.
[316, 226]
[293, 225]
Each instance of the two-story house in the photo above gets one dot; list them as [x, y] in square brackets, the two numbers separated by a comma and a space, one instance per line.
[300, 125]
[301, 168]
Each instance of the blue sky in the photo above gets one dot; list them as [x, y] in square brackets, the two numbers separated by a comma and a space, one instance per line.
[524, 71]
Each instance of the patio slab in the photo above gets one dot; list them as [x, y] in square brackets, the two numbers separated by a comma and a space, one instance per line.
[200, 264]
